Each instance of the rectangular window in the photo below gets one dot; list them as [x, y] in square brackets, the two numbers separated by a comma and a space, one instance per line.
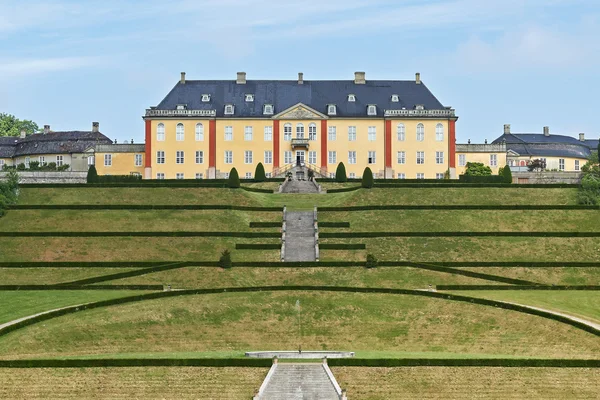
[312, 157]
[576, 165]
[199, 175]
[179, 175]
[138, 160]
[199, 157]
[401, 157]
[1, 163]
[268, 133]
[332, 157]
[402, 175]
[420, 157]
[420, 175]
[287, 132]
[372, 134]
[352, 175]
[372, 158]
[268, 157]
[248, 175]
[352, 157]
[268, 175]
[248, 133]
[287, 157]
[351, 133]
[107, 160]
[59, 160]
[160, 157]
[462, 160]
[160, 175]
[561, 164]
[493, 160]
[248, 157]
[180, 157]
[439, 176]
[27, 161]
[43, 160]
[228, 157]
[331, 133]
[439, 157]
[332, 175]
[228, 133]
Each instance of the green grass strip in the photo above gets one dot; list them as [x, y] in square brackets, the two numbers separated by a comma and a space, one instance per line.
[257, 246]
[520, 287]
[348, 235]
[142, 207]
[79, 287]
[429, 207]
[472, 274]
[265, 224]
[121, 275]
[453, 362]
[144, 234]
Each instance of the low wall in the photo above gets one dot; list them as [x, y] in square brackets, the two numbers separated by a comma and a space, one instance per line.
[300, 355]
[49, 177]
[546, 177]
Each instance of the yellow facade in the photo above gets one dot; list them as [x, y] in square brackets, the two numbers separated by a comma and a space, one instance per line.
[569, 164]
[484, 158]
[120, 163]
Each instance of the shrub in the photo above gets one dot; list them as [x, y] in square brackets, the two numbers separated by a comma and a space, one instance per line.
[311, 174]
[367, 178]
[589, 191]
[63, 167]
[9, 190]
[371, 261]
[259, 173]
[340, 173]
[34, 165]
[20, 167]
[478, 169]
[92, 175]
[507, 174]
[234, 179]
[536, 165]
[225, 259]
[51, 166]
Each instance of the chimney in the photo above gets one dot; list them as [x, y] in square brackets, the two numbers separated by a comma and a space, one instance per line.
[23, 133]
[300, 78]
[507, 129]
[360, 78]
[582, 137]
[241, 78]
[546, 131]
[182, 79]
[95, 127]
[46, 129]
[418, 78]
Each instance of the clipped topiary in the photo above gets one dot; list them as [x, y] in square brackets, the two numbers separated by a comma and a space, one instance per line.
[92, 175]
[225, 259]
[507, 174]
[371, 261]
[340, 173]
[367, 178]
[234, 179]
[259, 173]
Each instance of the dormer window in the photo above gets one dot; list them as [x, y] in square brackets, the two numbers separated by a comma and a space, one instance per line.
[181, 106]
[371, 109]
[419, 107]
[249, 98]
[351, 98]
[395, 98]
[331, 109]
[205, 98]
[229, 109]
[268, 109]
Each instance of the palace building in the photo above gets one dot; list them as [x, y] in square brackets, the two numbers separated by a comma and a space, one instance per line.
[203, 128]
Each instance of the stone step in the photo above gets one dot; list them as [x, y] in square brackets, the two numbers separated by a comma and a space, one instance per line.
[299, 382]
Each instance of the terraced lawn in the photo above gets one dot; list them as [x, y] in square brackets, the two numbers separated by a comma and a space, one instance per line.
[50, 276]
[542, 275]
[269, 321]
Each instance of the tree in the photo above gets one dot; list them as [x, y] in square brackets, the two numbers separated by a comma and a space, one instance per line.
[507, 174]
[12, 126]
[340, 173]
[259, 173]
[367, 178]
[92, 175]
[234, 179]
[477, 169]
[536, 165]
[225, 259]
[371, 261]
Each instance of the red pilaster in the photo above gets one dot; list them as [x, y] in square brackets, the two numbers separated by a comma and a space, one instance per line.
[324, 136]
[212, 143]
[452, 143]
[275, 144]
[388, 144]
[148, 162]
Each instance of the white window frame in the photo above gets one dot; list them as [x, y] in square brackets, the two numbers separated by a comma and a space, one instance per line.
[248, 133]
[199, 175]
[27, 161]
[160, 175]
[179, 175]
[420, 157]
[395, 98]
[577, 168]
[331, 109]
[248, 157]
[287, 157]
[160, 132]
[493, 160]
[312, 131]
[138, 160]
[420, 132]
[420, 175]
[248, 175]
[268, 133]
[439, 133]
[401, 157]
[351, 157]
[229, 109]
[352, 175]
[249, 98]
[439, 175]
[401, 132]
[561, 164]
[332, 157]
[179, 132]
[371, 110]
[462, 160]
[160, 157]
[42, 160]
[401, 175]
[268, 109]
[199, 132]
[312, 157]
[299, 130]
[268, 157]
[205, 98]
[287, 132]
[331, 133]
[107, 160]
[352, 133]
[199, 157]
[228, 157]
[351, 98]
[228, 133]
[372, 157]
[439, 157]
[179, 157]
[372, 133]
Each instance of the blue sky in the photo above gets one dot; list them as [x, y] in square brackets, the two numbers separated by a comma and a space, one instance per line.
[529, 63]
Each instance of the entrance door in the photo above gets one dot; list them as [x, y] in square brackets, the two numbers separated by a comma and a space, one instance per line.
[300, 157]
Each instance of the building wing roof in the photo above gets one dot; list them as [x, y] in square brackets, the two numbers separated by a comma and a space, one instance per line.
[550, 150]
[59, 143]
[284, 94]
[7, 146]
[121, 148]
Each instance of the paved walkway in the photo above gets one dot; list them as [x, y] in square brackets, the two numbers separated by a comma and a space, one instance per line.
[299, 382]
[300, 236]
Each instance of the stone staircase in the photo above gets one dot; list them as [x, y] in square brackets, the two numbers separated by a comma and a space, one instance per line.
[296, 186]
[300, 236]
[300, 382]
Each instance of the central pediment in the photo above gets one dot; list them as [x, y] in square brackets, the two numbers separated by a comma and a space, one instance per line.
[300, 111]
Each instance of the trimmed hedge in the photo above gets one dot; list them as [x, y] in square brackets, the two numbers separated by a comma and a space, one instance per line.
[342, 246]
[265, 224]
[465, 362]
[121, 275]
[139, 362]
[116, 179]
[342, 190]
[259, 246]
[256, 190]
[339, 235]
[143, 234]
[470, 274]
[142, 207]
[455, 184]
[79, 287]
[437, 295]
[482, 179]
[522, 287]
[334, 224]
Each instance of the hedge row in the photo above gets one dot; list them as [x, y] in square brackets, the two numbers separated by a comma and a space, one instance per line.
[444, 207]
[455, 184]
[256, 190]
[437, 295]
[79, 287]
[340, 235]
[140, 184]
[139, 362]
[470, 274]
[102, 264]
[334, 224]
[144, 234]
[142, 207]
[126, 274]
[259, 246]
[482, 179]
[265, 224]
[342, 190]
[342, 246]
[522, 287]
[454, 362]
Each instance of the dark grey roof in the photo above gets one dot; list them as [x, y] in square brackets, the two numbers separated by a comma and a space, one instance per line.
[121, 148]
[7, 146]
[592, 143]
[58, 143]
[285, 94]
[535, 144]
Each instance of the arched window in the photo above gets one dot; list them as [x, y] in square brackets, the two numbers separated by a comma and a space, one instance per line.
[523, 163]
[439, 132]
[401, 131]
[420, 132]
[300, 131]
[287, 132]
[312, 132]
[199, 132]
[179, 132]
[160, 132]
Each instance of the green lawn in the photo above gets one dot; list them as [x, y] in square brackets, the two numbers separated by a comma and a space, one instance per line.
[49, 276]
[548, 276]
[269, 321]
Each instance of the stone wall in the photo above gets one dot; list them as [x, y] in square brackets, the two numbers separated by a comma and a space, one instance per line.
[546, 177]
[49, 177]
